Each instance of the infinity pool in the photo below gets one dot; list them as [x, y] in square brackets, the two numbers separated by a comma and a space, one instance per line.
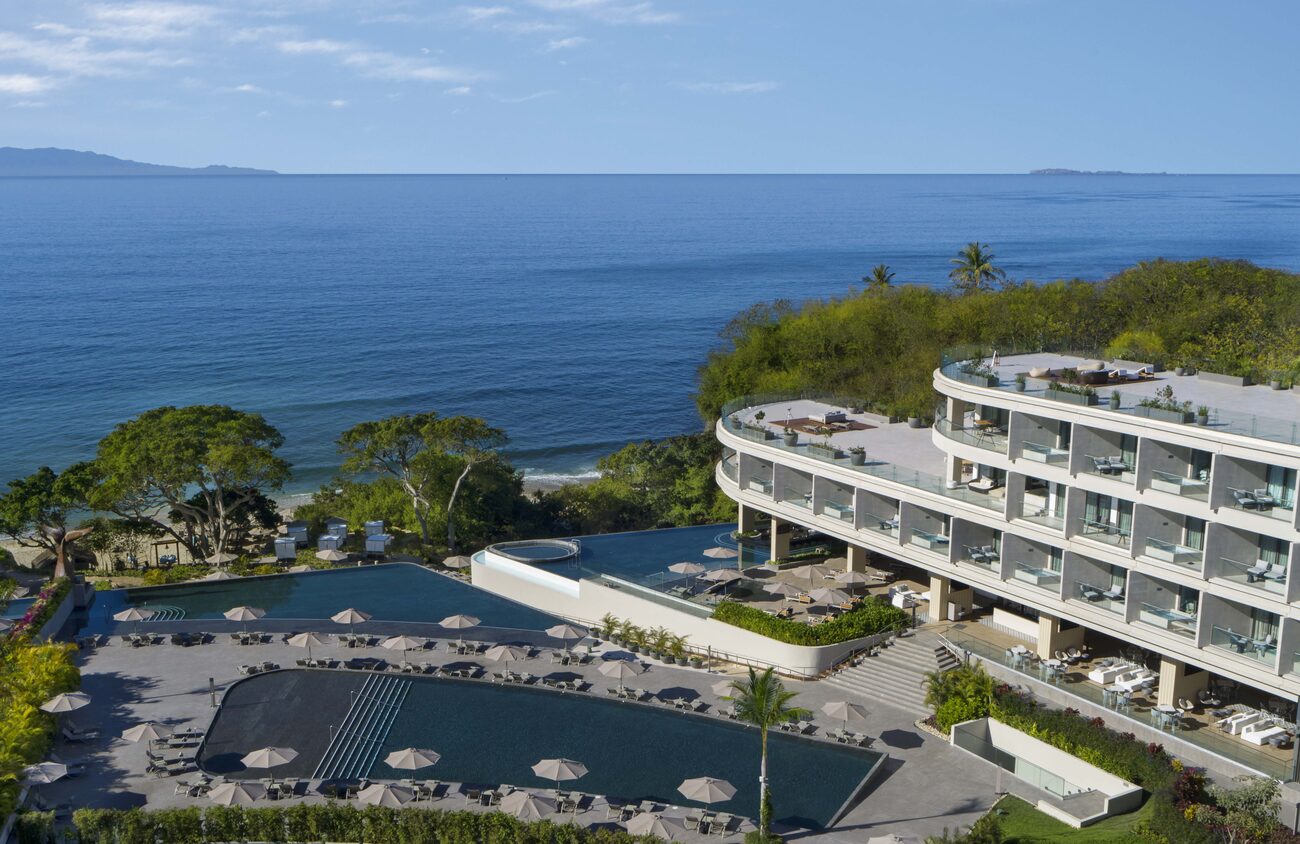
[491, 734]
[393, 592]
[644, 556]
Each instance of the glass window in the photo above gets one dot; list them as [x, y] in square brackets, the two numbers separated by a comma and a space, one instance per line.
[1063, 435]
[1273, 551]
[1128, 446]
[1194, 533]
[1281, 485]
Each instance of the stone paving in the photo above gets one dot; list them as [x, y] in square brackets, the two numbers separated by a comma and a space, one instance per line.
[924, 786]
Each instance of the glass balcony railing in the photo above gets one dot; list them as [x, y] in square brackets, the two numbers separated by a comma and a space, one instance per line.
[797, 497]
[1262, 650]
[759, 483]
[1258, 575]
[838, 510]
[1039, 453]
[1262, 501]
[914, 478]
[1105, 532]
[1181, 623]
[1036, 510]
[1294, 665]
[1044, 579]
[1103, 597]
[1178, 485]
[936, 542]
[984, 556]
[1172, 552]
[1113, 466]
[981, 435]
[729, 468]
[880, 524]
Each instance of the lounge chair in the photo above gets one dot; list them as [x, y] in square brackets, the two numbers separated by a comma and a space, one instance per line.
[1244, 499]
[73, 735]
[1102, 465]
[1261, 731]
[1256, 572]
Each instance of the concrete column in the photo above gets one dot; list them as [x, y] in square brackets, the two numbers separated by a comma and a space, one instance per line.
[1051, 638]
[952, 471]
[780, 538]
[963, 598]
[1176, 683]
[747, 518]
[857, 558]
[940, 595]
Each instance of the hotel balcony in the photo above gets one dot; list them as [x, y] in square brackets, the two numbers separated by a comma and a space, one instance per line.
[1046, 579]
[1097, 584]
[1260, 575]
[1248, 559]
[834, 500]
[1164, 618]
[1244, 632]
[1172, 552]
[975, 431]
[1041, 453]
[1164, 605]
[1174, 469]
[1040, 502]
[1170, 538]
[1179, 485]
[1105, 532]
[1106, 454]
[1253, 487]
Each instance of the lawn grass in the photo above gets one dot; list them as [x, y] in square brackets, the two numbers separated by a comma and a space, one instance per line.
[1023, 824]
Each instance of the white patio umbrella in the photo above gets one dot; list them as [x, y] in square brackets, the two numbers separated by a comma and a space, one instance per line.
[648, 823]
[411, 759]
[385, 794]
[505, 653]
[620, 670]
[403, 644]
[687, 568]
[66, 702]
[350, 617]
[707, 790]
[830, 596]
[719, 553]
[133, 614]
[815, 571]
[785, 590]
[459, 561]
[269, 757]
[845, 711]
[224, 558]
[527, 807]
[44, 773]
[148, 731]
[306, 640]
[236, 793]
[565, 633]
[244, 614]
[852, 577]
[332, 556]
[459, 622]
[722, 576]
[220, 575]
[559, 769]
[299, 569]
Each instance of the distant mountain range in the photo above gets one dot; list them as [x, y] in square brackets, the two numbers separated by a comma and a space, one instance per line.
[51, 161]
[1063, 171]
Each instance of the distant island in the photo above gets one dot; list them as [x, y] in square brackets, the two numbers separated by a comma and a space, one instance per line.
[1064, 171]
[51, 161]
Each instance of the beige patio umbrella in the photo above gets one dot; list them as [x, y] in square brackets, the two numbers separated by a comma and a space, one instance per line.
[236, 793]
[133, 614]
[785, 590]
[559, 769]
[459, 622]
[815, 571]
[44, 773]
[845, 711]
[411, 759]
[852, 578]
[565, 633]
[830, 596]
[841, 562]
[306, 640]
[221, 559]
[707, 790]
[385, 794]
[220, 575]
[332, 556]
[66, 702]
[648, 823]
[719, 553]
[269, 757]
[244, 614]
[148, 731]
[459, 561]
[620, 670]
[687, 568]
[299, 569]
[403, 644]
[350, 617]
[724, 688]
[527, 807]
[722, 576]
[505, 653]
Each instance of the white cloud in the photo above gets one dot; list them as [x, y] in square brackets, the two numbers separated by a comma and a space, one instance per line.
[318, 45]
[338, 103]
[378, 64]
[78, 57]
[565, 43]
[477, 14]
[144, 21]
[731, 87]
[536, 95]
[247, 88]
[611, 11]
[24, 84]
[459, 91]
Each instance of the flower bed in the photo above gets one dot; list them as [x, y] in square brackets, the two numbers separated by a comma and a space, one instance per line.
[46, 604]
[874, 616]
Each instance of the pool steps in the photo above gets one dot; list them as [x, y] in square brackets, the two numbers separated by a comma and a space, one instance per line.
[164, 612]
[356, 744]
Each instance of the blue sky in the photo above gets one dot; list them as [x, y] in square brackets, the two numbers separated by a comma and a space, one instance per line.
[873, 86]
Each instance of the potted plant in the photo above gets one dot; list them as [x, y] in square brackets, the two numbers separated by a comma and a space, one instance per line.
[658, 639]
[635, 638]
[1203, 415]
[1275, 382]
[1021, 379]
[858, 456]
[1114, 399]
[913, 421]
[625, 631]
[791, 437]
[677, 650]
[760, 416]
[608, 626]
[1180, 370]
[697, 661]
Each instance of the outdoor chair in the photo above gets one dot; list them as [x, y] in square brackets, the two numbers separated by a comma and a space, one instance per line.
[1102, 465]
[720, 825]
[1263, 500]
[1244, 499]
[692, 823]
[1118, 465]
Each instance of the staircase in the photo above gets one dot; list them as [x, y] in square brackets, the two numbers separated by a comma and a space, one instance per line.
[895, 675]
[355, 746]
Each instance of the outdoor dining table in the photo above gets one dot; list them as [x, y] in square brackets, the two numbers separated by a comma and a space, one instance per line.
[1167, 716]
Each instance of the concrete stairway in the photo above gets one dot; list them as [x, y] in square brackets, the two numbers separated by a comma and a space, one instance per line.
[894, 677]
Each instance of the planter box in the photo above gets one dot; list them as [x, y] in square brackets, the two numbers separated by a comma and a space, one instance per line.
[752, 432]
[1181, 417]
[823, 452]
[976, 379]
[1087, 399]
[1234, 380]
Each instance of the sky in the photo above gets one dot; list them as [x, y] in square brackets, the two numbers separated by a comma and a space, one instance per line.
[653, 86]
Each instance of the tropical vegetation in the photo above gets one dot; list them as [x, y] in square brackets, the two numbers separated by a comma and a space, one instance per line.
[973, 269]
[763, 701]
[874, 615]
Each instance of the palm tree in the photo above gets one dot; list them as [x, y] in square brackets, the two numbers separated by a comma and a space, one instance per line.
[973, 268]
[763, 701]
[880, 277]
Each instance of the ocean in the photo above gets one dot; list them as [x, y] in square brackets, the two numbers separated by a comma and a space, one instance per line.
[572, 311]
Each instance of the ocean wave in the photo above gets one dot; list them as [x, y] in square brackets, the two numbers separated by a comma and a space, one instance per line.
[559, 478]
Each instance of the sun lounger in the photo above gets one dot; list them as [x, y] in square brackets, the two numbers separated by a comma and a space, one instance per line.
[1237, 722]
[72, 735]
[1261, 732]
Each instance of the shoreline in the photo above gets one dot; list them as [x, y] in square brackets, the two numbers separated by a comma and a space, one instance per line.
[533, 484]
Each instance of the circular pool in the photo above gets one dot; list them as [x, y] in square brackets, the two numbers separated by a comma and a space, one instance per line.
[538, 550]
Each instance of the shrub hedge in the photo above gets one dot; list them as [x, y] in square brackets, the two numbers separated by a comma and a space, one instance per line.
[327, 822]
[874, 616]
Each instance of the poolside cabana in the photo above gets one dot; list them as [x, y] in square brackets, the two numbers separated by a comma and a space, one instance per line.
[286, 548]
[329, 542]
[297, 530]
[377, 544]
[335, 526]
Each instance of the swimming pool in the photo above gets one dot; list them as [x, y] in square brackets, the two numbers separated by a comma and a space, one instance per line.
[17, 608]
[644, 556]
[492, 734]
[392, 592]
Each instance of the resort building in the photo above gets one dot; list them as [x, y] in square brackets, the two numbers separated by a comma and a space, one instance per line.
[1104, 518]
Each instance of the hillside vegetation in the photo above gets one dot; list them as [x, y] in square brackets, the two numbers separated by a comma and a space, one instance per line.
[883, 344]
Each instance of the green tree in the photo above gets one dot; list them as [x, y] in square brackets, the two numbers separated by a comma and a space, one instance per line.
[204, 464]
[880, 277]
[1242, 815]
[973, 268]
[35, 511]
[471, 442]
[764, 701]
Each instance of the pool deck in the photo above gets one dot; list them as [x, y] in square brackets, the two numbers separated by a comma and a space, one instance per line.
[924, 786]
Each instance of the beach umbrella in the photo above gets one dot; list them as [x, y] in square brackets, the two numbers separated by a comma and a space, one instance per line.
[236, 793]
[44, 773]
[350, 617]
[852, 577]
[133, 614]
[686, 568]
[221, 559]
[403, 644]
[460, 561]
[565, 632]
[785, 590]
[244, 614]
[648, 823]
[66, 702]
[269, 757]
[306, 640]
[722, 576]
[527, 807]
[845, 711]
[148, 731]
[332, 556]
[620, 670]
[815, 571]
[220, 575]
[412, 758]
[830, 596]
[559, 769]
[385, 794]
[506, 653]
[719, 553]
[707, 790]
[459, 622]
[299, 569]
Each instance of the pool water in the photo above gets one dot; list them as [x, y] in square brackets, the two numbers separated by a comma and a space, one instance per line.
[644, 556]
[17, 608]
[392, 592]
[492, 734]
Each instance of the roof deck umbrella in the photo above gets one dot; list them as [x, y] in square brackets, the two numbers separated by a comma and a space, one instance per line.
[236, 793]
[459, 622]
[306, 640]
[565, 632]
[385, 794]
[411, 759]
[717, 552]
[620, 670]
[723, 576]
[66, 702]
[648, 823]
[815, 571]
[244, 614]
[852, 577]
[133, 614]
[299, 569]
[403, 644]
[707, 790]
[830, 596]
[269, 757]
[527, 807]
[785, 590]
[506, 653]
[687, 568]
[837, 561]
[845, 711]
[559, 769]
[223, 558]
[44, 773]
[350, 617]
[148, 731]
